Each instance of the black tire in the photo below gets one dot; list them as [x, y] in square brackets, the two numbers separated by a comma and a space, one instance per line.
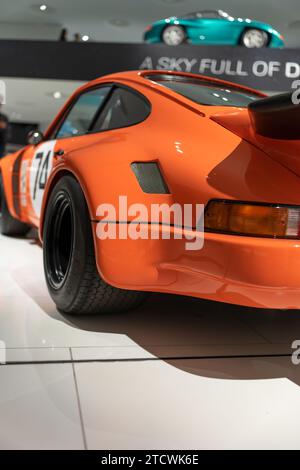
[69, 260]
[259, 38]
[8, 224]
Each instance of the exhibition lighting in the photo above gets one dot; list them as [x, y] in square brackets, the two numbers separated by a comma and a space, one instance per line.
[246, 218]
[57, 95]
[85, 38]
[43, 7]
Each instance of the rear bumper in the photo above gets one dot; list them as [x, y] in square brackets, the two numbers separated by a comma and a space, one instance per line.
[247, 271]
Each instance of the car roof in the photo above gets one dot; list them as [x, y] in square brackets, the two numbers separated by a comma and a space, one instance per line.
[203, 12]
[143, 77]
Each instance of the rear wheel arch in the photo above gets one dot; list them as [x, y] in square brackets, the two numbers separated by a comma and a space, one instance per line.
[172, 24]
[49, 189]
[72, 276]
[50, 186]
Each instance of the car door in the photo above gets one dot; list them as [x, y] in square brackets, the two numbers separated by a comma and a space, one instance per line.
[71, 132]
[210, 28]
[32, 171]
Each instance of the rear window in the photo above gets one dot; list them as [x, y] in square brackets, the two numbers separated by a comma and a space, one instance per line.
[204, 92]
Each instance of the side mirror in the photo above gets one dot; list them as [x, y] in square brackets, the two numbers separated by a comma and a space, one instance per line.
[35, 137]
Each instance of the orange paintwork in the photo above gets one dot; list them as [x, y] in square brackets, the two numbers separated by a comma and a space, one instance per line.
[205, 152]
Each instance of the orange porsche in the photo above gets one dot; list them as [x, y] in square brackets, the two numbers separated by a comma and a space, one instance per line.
[162, 138]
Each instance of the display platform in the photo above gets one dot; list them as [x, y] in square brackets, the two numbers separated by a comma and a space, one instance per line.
[176, 373]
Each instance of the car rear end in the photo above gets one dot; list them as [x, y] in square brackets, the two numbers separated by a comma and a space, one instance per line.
[251, 251]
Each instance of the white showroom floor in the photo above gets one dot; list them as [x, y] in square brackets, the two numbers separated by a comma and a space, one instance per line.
[177, 373]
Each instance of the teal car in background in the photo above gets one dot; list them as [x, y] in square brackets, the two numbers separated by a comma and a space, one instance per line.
[213, 27]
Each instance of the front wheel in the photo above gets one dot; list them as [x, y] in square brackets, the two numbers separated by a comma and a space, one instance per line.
[254, 38]
[70, 268]
[173, 35]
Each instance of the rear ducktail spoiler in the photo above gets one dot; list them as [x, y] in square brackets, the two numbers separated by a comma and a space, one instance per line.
[276, 117]
[270, 124]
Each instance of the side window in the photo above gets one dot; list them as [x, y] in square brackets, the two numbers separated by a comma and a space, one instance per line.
[210, 15]
[83, 113]
[124, 108]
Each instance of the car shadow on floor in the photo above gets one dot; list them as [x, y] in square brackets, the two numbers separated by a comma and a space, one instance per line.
[208, 338]
[202, 337]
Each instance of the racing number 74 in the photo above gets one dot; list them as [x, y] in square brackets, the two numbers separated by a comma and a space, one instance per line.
[42, 172]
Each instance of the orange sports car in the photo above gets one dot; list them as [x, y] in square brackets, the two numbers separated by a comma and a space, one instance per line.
[164, 139]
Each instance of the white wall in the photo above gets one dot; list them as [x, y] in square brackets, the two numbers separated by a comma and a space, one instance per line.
[29, 31]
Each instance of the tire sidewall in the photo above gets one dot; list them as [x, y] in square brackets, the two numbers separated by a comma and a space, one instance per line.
[64, 295]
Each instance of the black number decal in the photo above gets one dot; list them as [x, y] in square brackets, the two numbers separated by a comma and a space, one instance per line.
[39, 156]
[42, 172]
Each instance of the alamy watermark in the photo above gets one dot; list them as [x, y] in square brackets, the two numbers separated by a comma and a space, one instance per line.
[156, 221]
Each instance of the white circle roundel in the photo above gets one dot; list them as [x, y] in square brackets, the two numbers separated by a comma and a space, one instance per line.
[40, 169]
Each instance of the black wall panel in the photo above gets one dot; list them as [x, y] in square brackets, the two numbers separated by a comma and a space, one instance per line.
[266, 69]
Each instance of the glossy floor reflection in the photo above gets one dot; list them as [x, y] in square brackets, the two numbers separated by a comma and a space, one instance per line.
[175, 373]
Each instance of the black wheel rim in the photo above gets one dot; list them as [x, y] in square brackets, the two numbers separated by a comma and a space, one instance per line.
[60, 241]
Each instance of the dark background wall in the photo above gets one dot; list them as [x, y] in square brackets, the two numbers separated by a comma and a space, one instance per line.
[265, 69]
